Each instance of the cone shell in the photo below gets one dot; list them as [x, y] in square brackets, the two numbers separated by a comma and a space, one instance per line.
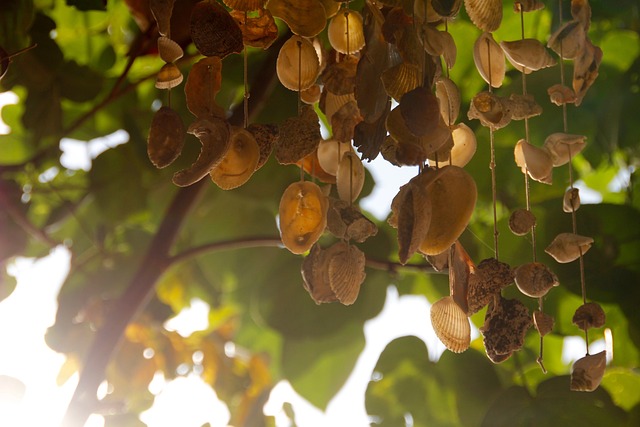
[568, 40]
[543, 322]
[345, 32]
[168, 77]
[169, 50]
[489, 59]
[346, 271]
[563, 147]
[239, 162]
[464, 146]
[448, 95]
[485, 14]
[305, 18]
[527, 55]
[534, 160]
[298, 65]
[587, 372]
[589, 315]
[571, 200]
[214, 31]
[350, 177]
[521, 221]
[400, 79]
[303, 216]
[166, 137]
[330, 153]
[451, 325]
[535, 279]
[568, 247]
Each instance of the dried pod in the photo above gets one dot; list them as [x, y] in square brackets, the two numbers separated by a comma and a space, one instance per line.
[534, 160]
[571, 200]
[587, 372]
[439, 43]
[464, 146]
[535, 279]
[340, 77]
[311, 95]
[345, 32]
[214, 31]
[350, 177]
[344, 121]
[169, 50]
[527, 5]
[485, 283]
[420, 110]
[214, 135]
[523, 106]
[492, 111]
[203, 83]
[563, 147]
[489, 59]
[345, 221]
[345, 265]
[315, 278]
[505, 326]
[239, 162]
[303, 216]
[257, 31]
[298, 65]
[527, 55]
[448, 95]
[451, 325]
[245, 5]
[485, 14]
[305, 18]
[400, 79]
[168, 77]
[266, 136]
[568, 40]
[162, 10]
[166, 137]
[568, 247]
[543, 322]
[521, 221]
[589, 315]
[560, 95]
[330, 153]
[298, 137]
[585, 70]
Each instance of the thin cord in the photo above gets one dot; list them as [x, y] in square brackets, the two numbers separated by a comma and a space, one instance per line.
[492, 164]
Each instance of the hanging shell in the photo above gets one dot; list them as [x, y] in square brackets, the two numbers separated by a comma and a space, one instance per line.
[581, 11]
[460, 271]
[315, 277]
[303, 216]
[166, 137]
[340, 77]
[523, 106]
[168, 77]
[161, 11]
[464, 145]
[266, 136]
[446, 8]
[245, 5]
[587, 372]
[527, 55]
[485, 14]
[420, 9]
[331, 103]
[426, 145]
[568, 40]
[563, 147]
[346, 271]
[346, 222]
[439, 43]
[585, 70]
[311, 95]
[203, 84]
[345, 32]
[331, 7]
[214, 31]
[493, 111]
[169, 50]
[534, 160]
[400, 79]
[535, 279]
[449, 97]
[257, 31]
[571, 200]
[420, 110]
[298, 65]
[489, 59]
[505, 326]
[305, 18]
[350, 177]
[527, 5]
[344, 121]
[239, 162]
[568, 247]
[330, 153]
[521, 221]
[298, 136]
[589, 315]
[560, 95]
[543, 322]
[486, 282]
[451, 325]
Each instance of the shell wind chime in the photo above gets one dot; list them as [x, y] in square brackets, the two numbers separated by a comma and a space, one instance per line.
[382, 82]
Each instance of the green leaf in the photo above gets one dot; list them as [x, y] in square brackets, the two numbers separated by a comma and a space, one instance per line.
[623, 385]
[622, 48]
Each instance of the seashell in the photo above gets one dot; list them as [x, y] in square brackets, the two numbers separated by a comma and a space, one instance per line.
[266, 136]
[420, 110]
[345, 32]
[303, 216]
[331, 7]
[485, 283]
[585, 70]
[581, 11]
[298, 136]
[535, 279]
[305, 18]
[521, 221]
[568, 40]
[245, 5]
[439, 43]
[527, 55]
[464, 146]
[534, 160]
[311, 95]
[589, 315]
[166, 137]
[340, 77]
[427, 144]
[368, 138]
[350, 177]
[169, 50]
[563, 147]
[505, 326]
[239, 162]
[485, 14]
[257, 31]
[493, 111]
[527, 5]
[345, 221]
[420, 9]
[543, 322]
[453, 193]
[587, 372]
[214, 31]
[571, 200]
[297, 65]
[214, 135]
[448, 95]
[451, 325]
[560, 95]
[315, 278]
[489, 59]
[161, 11]
[330, 103]
[442, 154]
[203, 84]
[446, 8]
[346, 271]
[568, 247]
[168, 77]
[311, 166]
[460, 271]
[344, 121]
[330, 153]
[400, 79]
[523, 106]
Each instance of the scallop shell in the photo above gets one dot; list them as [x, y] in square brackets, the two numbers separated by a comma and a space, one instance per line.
[451, 325]
[203, 84]
[303, 216]
[560, 95]
[543, 322]
[298, 65]
[527, 55]
[169, 76]
[345, 32]
[568, 40]
[535, 279]
[305, 18]
[571, 200]
[169, 50]
[350, 177]
[485, 14]
[346, 271]
[214, 31]
[330, 103]
[239, 162]
[464, 146]
[400, 79]
[568, 247]
[315, 278]
[489, 59]
[521, 221]
[589, 315]
[448, 95]
[330, 153]
[493, 111]
[266, 136]
[166, 137]
[563, 147]
[245, 5]
[587, 372]
[527, 5]
[298, 136]
[534, 160]
[311, 95]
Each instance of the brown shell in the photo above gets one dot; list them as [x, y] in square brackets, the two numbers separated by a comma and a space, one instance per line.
[535, 279]
[587, 372]
[346, 222]
[568, 40]
[563, 147]
[340, 77]
[485, 14]
[331, 7]
[344, 121]
[589, 315]
[245, 5]
[505, 326]
[298, 136]
[203, 83]
[523, 106]
[345, 265]
[400, 79]
[330, 103]
[239, 162]
[315, 278]
[567, 247]
[166, 137]
[168, 77]
[449, 98]
[451, 325]
[420, 110]
[350, 177]
[560, 95]
[527, 55]
[446, 8]
[311, 95]
[571, 200]
[305, 18]
[460, 271]
[464, 145]
[439, 43]
[489, 59]
[534, 160]
[493, 111]
[345, 32]
[427, 144]
[543, 322]
[585, 70]
[169, 50]
[266, 136]
[527, 5]
[214, 31]
[581, 11]
[485, 283]
[297, 65]
[162, 10]
[257, 31]
[303, 216]
[521, 221]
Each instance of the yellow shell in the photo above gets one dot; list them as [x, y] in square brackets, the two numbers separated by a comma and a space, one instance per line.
[346, 271]
[239, 162]
[567, 247]
[168, 77]
[350, 176]
[311, 95]
[305, 18]
[527, 55]
[489, 59]
[345, 32]
[298, 65]
[587, 372]
[485, 14]
[331, 7]
[535, 279]
[303, 216]
[534, 160]
[451, 325]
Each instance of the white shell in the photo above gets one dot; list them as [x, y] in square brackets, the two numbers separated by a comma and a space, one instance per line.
[564, 146]
[527, 55]
[587, 372]
[464, 145]
[330, 153]
[568, 247]
[489, 59]
[534, 160]
[350, 177]
[451, 325]
[449, 96]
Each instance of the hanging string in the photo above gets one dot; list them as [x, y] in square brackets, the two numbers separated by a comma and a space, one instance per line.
[246, 81]
[299, 43]
[492, 165]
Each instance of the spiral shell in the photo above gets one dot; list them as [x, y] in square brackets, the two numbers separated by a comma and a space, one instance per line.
[563, 147]
[527, 55]
[451, 324]
[303, 216]
[239, 162]
[587, 372]
[534, 160]
[297, 65]
[345, 32]
[568, 247]
[485, 14]
[214, 31]
[535, 279]
[350, 176]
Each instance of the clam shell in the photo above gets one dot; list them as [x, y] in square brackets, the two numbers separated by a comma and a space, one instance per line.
[340, 77]
[448, 95]
[489, 59]
[527, 55]
[464, 146]
[311, 166]
[587, 372]
[239, 162]
[331, 7]
[535, 279]
[311, 95]
[314, 276]
[303, 216]
[568, 40]
[589, 315]
[203, 84]
[493, 111]
[581, 11]
[258, 30]
[485, 14]
[534, 160]
[571, 200]
[521, 221]
[298, 136]
[563, 147]
[345, 221]
[169, 50]
[305, 18]
[568, 247]
[297, 65]
[350, 177]
[330, 103]
[427, 144]
[345, 32]
[527, 5]
[344, 121]
[346, 271]
[168, 77]
[560, 95]
[166, 137]
[451, 325]
[330, 153]
[543, 322]
[400, 79]
[214, 31]
[266, 136]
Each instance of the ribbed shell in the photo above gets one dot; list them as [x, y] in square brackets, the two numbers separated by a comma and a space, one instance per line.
[534, 160]
[298, 65]
[527, 54]
[568, 247]
[332, 103]
[350, 176]
[239, 162]
[535, 279]
[214, 31]
[346, 271]
[345, 32]
[303, 216]
[485, 14]
[400, 79]
[587, 372]
[564, 146]
[169, 50]
[166, 137]
[451, 324]
[168, 77]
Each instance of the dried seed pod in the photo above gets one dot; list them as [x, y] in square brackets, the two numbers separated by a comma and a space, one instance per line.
[571, 200]
[166, 137]
[297, 65]
[521, 221]
[527, 55]
[162, 10]
[168, 77]
[589, 315]
[345, 265]
[563, 147]
[169, 50]
[568, 247]
[314, 276]
[420, 110]
[543, 322]
[493, 111]
[400, 79]
[305, 18]
[239, 162]
[505, 326]
[257, 31]
[449, 97]
[560, 95]
[345, 221]
[585, 69]
[451, 325]
[489, 59]
[523, 106]
[527, 5]
[568, 40]
[485, 14]
[350, 177]
[214, 135]
[345, 32]
[485, 283]
[535, 279]
[266, 136]
[587, 372]
[203, 84]
[214, 31]
[298, 137]
[303, 216]
[534, 160]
